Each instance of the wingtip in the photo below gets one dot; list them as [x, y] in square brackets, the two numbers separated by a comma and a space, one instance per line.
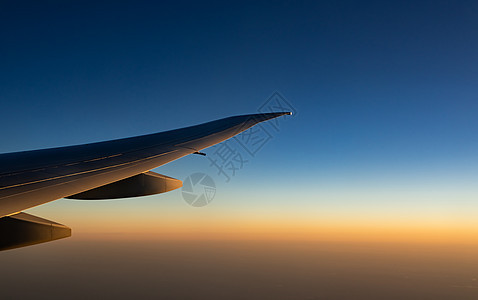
[260, 117]
[283, 113]
[273, 115]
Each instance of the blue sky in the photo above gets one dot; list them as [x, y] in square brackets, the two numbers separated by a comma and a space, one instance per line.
[385, 92]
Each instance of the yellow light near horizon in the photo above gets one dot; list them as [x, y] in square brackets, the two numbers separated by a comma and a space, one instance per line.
[280, 230]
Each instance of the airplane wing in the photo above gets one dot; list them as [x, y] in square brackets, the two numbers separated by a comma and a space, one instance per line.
[107, 170]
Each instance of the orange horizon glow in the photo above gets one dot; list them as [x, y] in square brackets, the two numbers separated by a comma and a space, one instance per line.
[166, 218]
[330, 232]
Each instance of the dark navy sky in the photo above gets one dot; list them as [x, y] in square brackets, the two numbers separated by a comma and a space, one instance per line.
[380, 87]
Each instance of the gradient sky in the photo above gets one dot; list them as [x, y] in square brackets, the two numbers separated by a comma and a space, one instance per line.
[383, 143]
[369, 191]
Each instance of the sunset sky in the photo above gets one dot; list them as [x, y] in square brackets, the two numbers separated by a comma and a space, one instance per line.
[382, 147]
